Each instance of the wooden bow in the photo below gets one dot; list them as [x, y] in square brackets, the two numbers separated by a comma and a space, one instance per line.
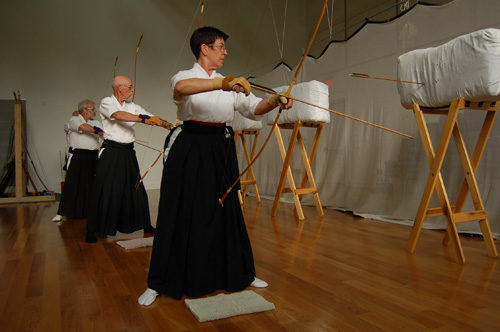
[167, 125]
[202, 9]
[135, 64]
[114, 67]
[286, 94]
[142, 178]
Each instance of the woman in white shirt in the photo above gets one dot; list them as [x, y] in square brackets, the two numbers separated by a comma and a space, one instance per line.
[201, 246]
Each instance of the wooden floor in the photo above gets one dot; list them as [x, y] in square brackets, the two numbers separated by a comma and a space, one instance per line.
[337, 273]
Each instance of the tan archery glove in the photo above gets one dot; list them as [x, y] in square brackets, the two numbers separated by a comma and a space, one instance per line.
[150, 120]
[228, 83]
[167, 125]
[276, 99]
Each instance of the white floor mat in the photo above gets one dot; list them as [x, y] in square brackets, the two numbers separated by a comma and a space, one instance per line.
[227, 305]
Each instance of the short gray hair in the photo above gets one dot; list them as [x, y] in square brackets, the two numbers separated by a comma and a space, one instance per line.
[84, 104]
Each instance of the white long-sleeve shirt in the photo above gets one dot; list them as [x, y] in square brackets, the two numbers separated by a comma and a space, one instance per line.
[116, 130]
[78, 139]
[212, 106]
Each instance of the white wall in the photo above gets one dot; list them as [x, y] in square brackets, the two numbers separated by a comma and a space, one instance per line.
[58, 52]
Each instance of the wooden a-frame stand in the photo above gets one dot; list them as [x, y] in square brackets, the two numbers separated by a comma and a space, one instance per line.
[19, 138]
[250, 177]
[298, 192]
[454, 214]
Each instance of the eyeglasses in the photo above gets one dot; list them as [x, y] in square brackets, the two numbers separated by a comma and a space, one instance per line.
[221, 47]
[91, 108]
[130, 87]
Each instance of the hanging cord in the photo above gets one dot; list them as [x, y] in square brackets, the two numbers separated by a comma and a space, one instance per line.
[284, 28]
[329, 16]
[365, 19]
[25, 167]
[281, 46]
[33, 164]
[9, 147]
[287, 93]
[254, 39]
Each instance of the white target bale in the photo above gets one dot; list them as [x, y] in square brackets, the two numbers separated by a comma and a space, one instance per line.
[467, 67]
[313, 92]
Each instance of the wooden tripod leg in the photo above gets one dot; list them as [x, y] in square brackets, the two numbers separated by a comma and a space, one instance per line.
[236, 134]
[477, 155]
[240, 198]
[249, 174]
[474, 191]
[426, 197]
[476, 159]
[254, 148]
[312, 155]
[310, 176]
[250, 177]
[286, 171]
[435, 162]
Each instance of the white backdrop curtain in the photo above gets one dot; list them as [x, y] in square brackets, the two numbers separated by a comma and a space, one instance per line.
[369, 171]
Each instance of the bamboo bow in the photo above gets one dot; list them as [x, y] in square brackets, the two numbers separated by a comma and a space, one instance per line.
[114, 67]
[202, 9]
[135, 64]
[157, 158]
[286, 94]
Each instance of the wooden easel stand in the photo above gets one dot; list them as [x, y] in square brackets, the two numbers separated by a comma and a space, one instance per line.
[298, 192]
[454, 214]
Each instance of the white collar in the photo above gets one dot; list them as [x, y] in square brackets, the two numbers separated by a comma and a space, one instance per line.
[200, 69]
[81, 117]
[118, 103]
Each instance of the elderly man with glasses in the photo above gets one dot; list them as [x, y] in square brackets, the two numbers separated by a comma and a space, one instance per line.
[83, 140]
[116, 204]
[201, 246]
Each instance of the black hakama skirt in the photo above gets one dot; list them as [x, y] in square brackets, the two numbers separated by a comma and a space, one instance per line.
[115, 204]
[199, 245]
[77, 187]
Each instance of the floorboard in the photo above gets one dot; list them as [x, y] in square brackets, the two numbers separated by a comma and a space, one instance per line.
[336, 273]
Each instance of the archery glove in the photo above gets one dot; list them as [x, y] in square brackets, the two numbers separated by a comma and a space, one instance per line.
[150, 120]
[98, 131]
[227, 83]
[276, 99]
